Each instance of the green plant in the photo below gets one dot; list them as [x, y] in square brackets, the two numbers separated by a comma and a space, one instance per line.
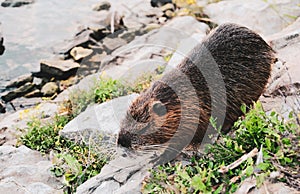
[280, 142]
[107, 89]
[75, 162]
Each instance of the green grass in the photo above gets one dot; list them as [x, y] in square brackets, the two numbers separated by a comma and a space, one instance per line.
[280, 142]
[74, 162]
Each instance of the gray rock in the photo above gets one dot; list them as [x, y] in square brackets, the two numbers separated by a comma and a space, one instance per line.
[20, 81]
[97, 58]
[122, 175]
[79, 52]
[58, 68]
[103, 119]
[283, 91]
[23, 170]
[113, 43]
[49, 89]
[104, 5]
[16, 3]
[265, 17]
[288, 36]
[16, 93]
[10, 122]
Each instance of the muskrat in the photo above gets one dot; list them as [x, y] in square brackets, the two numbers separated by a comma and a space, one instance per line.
[230, 67]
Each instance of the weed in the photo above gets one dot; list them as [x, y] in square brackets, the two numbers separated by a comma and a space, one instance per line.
[280, 142]
[76, 163]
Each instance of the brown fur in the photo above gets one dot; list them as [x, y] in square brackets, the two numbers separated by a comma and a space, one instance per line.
[185, 99]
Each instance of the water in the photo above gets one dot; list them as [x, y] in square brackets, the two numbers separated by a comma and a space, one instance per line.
[31, 32]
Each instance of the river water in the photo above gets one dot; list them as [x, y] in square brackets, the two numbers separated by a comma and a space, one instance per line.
[32, 32]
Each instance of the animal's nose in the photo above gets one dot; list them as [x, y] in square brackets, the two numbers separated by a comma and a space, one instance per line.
[124, 139]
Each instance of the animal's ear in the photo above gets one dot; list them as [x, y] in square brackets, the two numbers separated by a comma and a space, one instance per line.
[159, 108]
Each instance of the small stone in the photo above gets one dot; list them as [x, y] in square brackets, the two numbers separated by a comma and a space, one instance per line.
[20, 81]
[58, 68]
[37, 81]
[105, 5]
[168, 6]
[49, 89]
[16, 3]
[169, 13]
[79, 52]
[162, 20]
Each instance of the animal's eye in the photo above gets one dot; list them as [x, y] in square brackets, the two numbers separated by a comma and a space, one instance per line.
[159, 109]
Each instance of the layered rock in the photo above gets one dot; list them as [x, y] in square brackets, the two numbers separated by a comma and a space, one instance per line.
[16, 93]
[20, 81]
[59, 69]
[23, 170]
[267, 17]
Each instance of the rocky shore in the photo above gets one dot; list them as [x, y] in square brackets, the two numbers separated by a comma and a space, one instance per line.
[130, 39]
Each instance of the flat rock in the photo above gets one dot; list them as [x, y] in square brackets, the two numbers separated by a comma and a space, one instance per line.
[18, 92]
[59, 69]
[79, 52]
[20, 81]
[24, 170]
[113, 43]
[16, 3]
[98, 119]
[49, 89]
[288, 36]
[82, 39]
[122, 175]
[265, 17]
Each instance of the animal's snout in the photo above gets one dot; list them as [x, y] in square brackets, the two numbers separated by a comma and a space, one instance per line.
[124, 139]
